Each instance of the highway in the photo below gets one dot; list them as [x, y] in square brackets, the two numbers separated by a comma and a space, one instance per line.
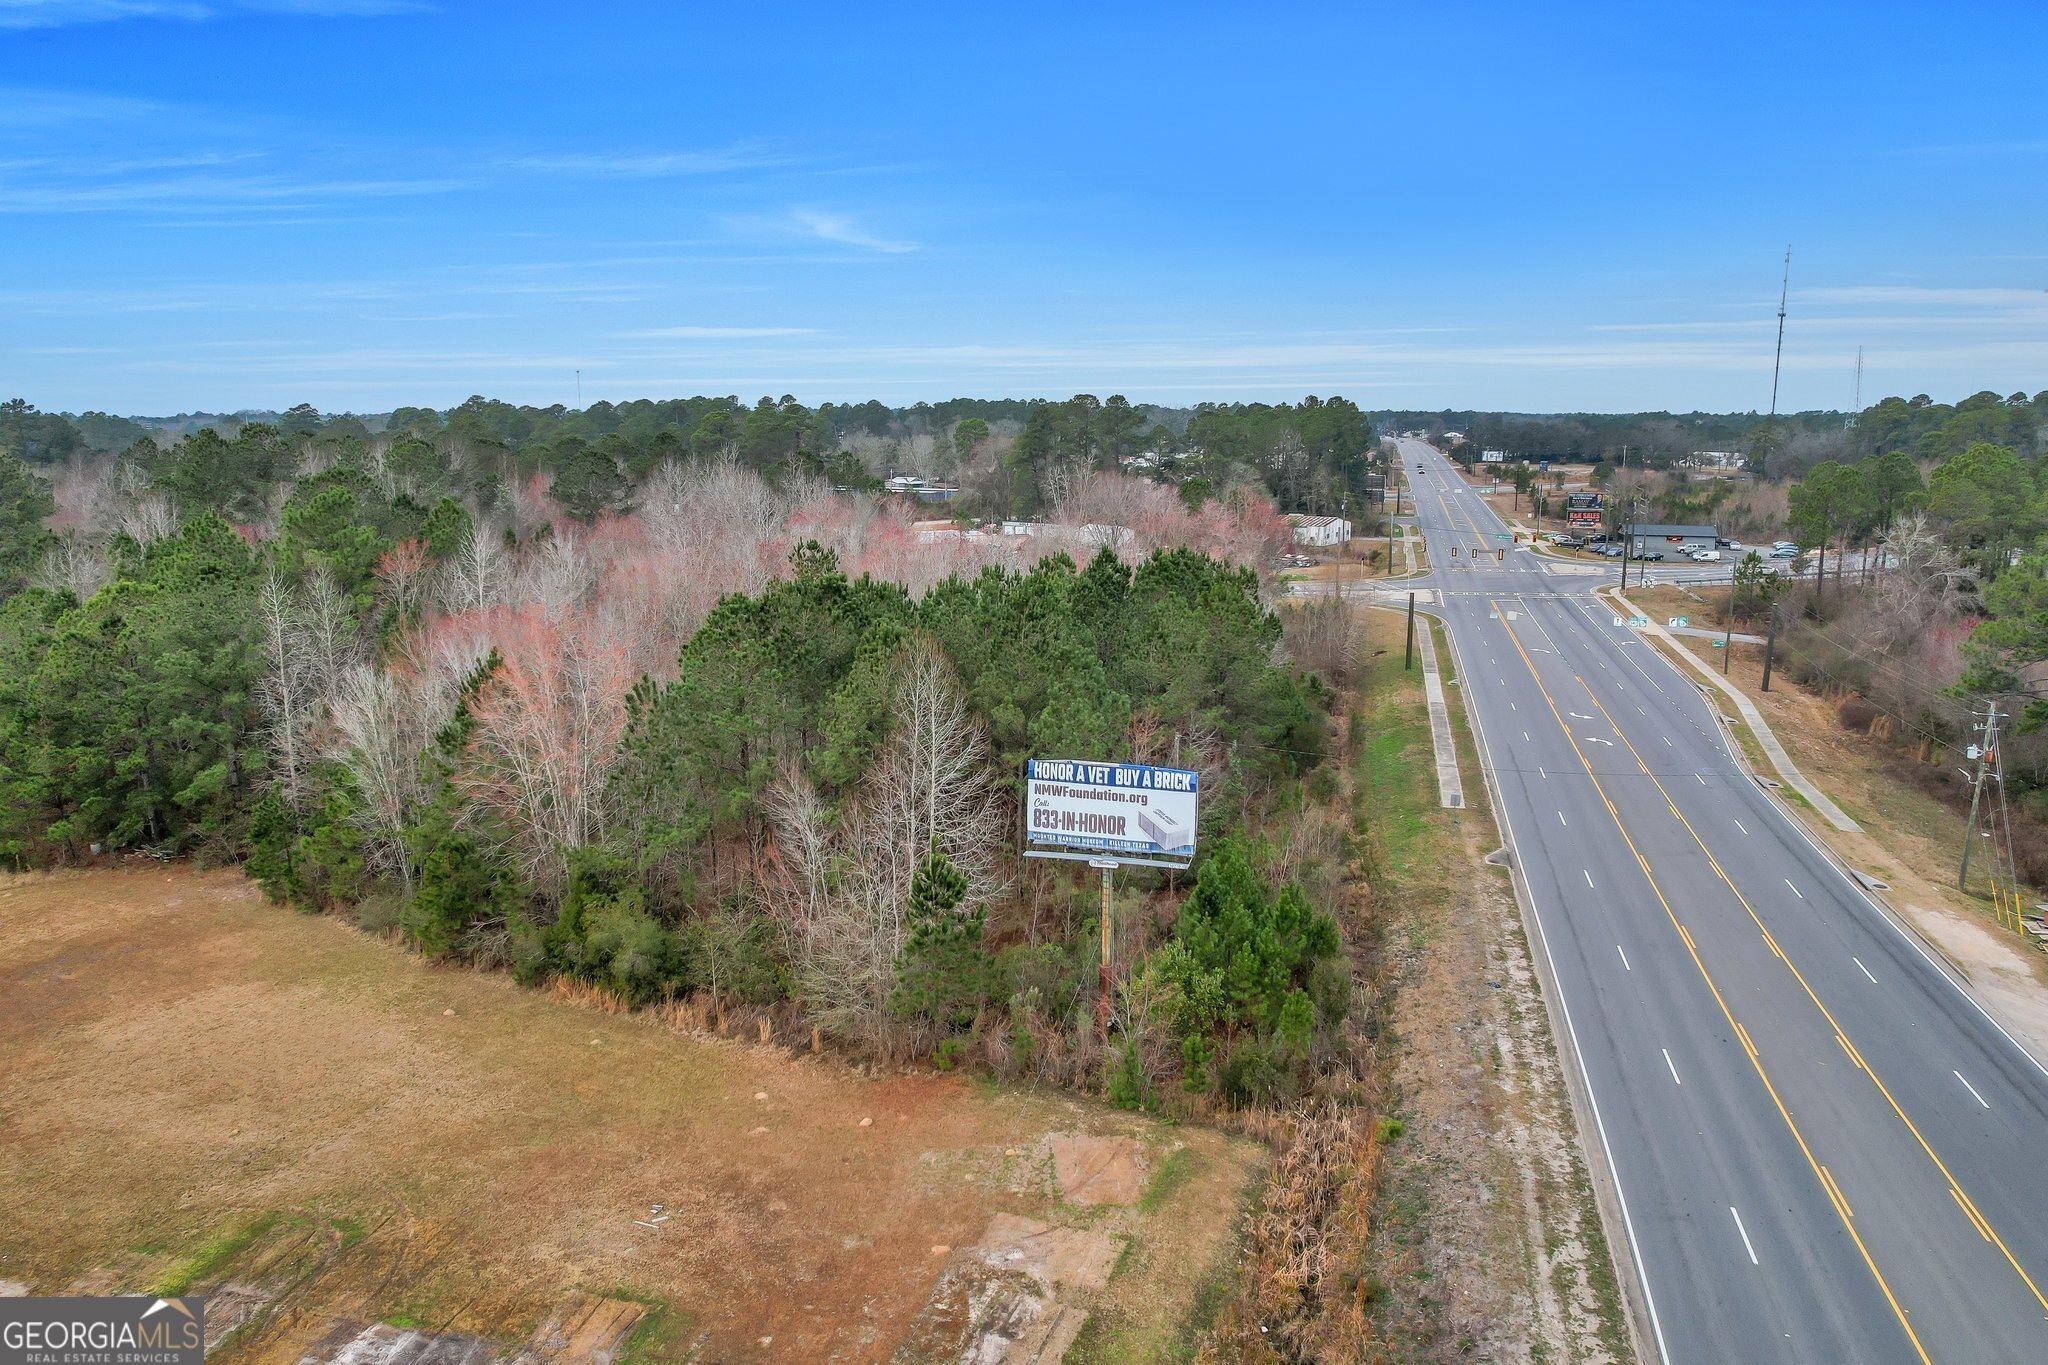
[1822, 1149]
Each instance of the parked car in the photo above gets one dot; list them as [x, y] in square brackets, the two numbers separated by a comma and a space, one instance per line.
[1568, 542]
[1611, 551]
[1727, 543]
[1705, 556]
[1784, 552]
[1600, 539]
[1785, 545]
[1650, 556]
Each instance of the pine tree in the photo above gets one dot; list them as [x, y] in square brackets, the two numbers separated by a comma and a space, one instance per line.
[942, 976]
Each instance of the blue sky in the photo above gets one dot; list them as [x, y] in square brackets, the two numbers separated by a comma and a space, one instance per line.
[212, 204]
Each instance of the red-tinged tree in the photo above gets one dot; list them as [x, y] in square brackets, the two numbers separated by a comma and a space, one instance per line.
[546, 729]
[403, 573]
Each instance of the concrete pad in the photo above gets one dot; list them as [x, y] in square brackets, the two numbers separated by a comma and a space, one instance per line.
[1096, 1170]
[353, 1343]
[583, 1329]
[1055, 1257]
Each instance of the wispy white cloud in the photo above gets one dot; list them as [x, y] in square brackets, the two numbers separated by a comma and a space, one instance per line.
[841, 229]
[201, 193]
[66, 13]
[721, 332]
[746, 156]
[1930, 296]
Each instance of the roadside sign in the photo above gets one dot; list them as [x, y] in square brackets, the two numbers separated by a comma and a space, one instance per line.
[1113, 809]
[1720, 644]
[1502, 535]
[1676, 623]
[1619, 622]
[1639, 622]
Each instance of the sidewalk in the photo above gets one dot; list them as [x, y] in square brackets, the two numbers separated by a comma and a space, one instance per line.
[1450, 785]
[1773, 750]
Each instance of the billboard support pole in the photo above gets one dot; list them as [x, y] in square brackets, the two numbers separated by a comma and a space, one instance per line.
[1102, 997]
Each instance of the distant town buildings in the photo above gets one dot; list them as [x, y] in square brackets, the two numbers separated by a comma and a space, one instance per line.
[1320, 531]
[924, 490]
[1090, 537]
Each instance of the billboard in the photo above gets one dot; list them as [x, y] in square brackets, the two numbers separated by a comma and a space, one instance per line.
[1582, 511]
[1111, 809]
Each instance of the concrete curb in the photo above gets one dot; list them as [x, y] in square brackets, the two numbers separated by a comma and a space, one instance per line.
[1450, 784]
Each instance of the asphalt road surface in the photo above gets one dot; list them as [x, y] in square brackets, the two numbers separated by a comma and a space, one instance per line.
[1823, 1149]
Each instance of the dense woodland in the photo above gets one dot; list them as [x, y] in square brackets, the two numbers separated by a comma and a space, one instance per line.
[664, 699]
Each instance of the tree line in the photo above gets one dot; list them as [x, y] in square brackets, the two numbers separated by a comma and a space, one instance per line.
[687, 732]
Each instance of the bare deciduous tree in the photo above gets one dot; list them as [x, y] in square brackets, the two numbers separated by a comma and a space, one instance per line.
[841, 888]
[476, 575]
[383, 721]
[547, 729]
[75, 565]
[290, 689]
[150, 517]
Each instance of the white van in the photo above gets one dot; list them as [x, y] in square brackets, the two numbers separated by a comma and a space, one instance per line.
[1706, 556]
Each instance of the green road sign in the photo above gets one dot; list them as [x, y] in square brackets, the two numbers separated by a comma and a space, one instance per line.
[1676, 623]
[1719, 644]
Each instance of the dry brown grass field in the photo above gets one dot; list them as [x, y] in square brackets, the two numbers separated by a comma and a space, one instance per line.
[199, 1088]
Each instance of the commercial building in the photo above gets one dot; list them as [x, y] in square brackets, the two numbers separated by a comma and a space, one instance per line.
[1320, 531]
[1669, 540]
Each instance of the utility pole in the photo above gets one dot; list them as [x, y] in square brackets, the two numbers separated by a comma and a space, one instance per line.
[1984, 752]
[1784, 292]
[1770, 645]
[1728, 637]
[1624, 525]
[1343, 542]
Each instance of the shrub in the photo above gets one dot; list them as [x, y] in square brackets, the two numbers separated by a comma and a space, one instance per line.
[1251, 981]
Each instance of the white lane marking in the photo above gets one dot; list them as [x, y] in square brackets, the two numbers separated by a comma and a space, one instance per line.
[1745, 1236]
[1675, 1081]
[1863, 969]
[1513, 707]
[1641, 712]
[1587, 875]
[1666, 739]
[1702, 780]
[1525, 737]
[1539, 772]
[1624, 959]
[1562, 821]
[1795, 890]
[1973, 1091]
[1595, 739]
[1738, 825]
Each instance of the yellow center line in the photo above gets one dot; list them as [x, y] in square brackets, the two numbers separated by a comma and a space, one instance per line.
[1955, 1186]
[1755, 1061]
